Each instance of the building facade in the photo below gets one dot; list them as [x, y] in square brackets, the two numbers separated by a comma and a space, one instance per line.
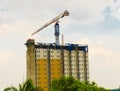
[46, 62]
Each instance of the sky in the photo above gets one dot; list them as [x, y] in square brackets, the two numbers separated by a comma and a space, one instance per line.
[92, 22]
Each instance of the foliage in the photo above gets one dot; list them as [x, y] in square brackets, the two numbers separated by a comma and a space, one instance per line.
[61, 84]
[71, 84]
[10, 89]
[25, 86]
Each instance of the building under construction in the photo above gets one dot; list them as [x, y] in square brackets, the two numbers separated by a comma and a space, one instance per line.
[48, 61]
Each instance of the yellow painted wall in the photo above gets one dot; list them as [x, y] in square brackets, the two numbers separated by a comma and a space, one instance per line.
[42, 73]
[56, 68]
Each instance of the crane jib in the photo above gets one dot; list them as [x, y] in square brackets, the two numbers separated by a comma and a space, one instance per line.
[56, 19]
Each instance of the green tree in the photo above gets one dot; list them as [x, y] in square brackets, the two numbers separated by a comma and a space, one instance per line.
[10, 89]
[71, 84]
[25, 86]
[65, 84]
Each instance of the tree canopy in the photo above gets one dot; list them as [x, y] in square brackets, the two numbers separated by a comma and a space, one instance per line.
[60, 84]
[25, 86]
[71, 84]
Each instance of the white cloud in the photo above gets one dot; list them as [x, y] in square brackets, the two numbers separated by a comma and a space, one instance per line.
[113, 10]
[81, 12]
[6, 56]
[100, 51]
[32, 15]
[86, 12]
[12, 66]
[115, 7]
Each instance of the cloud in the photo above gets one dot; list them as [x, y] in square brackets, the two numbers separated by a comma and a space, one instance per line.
[3, 10]
[81, 12]
[12, 66]
[104, 61]
[113, 10]
[84, 12]
[6, 56]
[91, 22]
[32, 15]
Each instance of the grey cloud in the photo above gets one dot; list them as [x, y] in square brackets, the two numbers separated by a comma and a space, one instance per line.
[4, 10]
[110, 22]
[109, 25]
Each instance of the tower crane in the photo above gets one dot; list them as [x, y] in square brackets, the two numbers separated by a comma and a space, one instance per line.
[56, 26]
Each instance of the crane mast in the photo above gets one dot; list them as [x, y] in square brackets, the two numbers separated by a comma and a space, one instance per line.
[56, 26]
[57, 33]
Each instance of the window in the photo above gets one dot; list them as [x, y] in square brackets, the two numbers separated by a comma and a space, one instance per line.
[45, 69]
[38, 64]
[58, 52]
[38, 77]
[44, 56]
[45, 73]
[45, 86]
[45, 77]
[44, 51]
[38, 68]
[58, 73]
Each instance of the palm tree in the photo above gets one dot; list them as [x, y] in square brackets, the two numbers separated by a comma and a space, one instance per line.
[25, 86]
[10, 89]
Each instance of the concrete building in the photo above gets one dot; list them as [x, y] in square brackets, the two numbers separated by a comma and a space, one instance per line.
[47, 61]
